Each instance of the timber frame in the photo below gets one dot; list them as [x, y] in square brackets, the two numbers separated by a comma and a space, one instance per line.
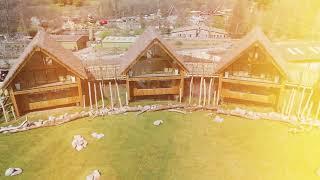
[45, 76]
[252, 72]
[138, 59]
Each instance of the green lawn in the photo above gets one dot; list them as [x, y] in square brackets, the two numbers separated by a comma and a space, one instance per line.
[185, 147]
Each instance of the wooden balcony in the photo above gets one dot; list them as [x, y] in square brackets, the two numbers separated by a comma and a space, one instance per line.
[158, 91]
[46, 88]
[266, 99]
[252, 82]
[53, 103]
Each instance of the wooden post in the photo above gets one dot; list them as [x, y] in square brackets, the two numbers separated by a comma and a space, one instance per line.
[209, 94]
[292, 102]
[289, 103]
[215, 98]
[301, 101]
[318, 111]
[219, 93]
[310, 110]
[102, 96]
[95, 95]
[84, 101]
[4, 112]
[128, 89]
[307, 103]
[182, 84]
[200, 93]
[127, 100]
[118, 93]
[284, 107]
[111, 96]
[80, 93]
[13, 113]
[190, 93]
[14, 101]
[204, 92]
[180, 95]
[90, 98]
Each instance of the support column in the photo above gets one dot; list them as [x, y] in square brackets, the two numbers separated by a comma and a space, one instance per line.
[181, 88]
[80, 92]
[219, 89]
[128, 87]
[14, 101]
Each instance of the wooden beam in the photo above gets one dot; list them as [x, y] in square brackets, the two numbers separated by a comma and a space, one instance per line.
[209, 93]
[45, 89]
[102, 96]
[80, 92]
[95, 95]
[307, 103]
[200, 93]
[310, 110]
[219, 89]
[84, 101]
[90, 96]
[13, 113]
[53, 103]
[158, 91]
[215, 98]
[292, 103]
[289, 102]
[111, 96]
[318, 111]
[128, 89]
[14, 101]
[204, 92]
[251, 83]
[171, 77]
[301, 101]
[127, 101]
[118, 94]
[181, 89]
[190, 93]
[4, 112]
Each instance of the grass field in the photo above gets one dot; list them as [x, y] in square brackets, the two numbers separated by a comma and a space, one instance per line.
[185, 147]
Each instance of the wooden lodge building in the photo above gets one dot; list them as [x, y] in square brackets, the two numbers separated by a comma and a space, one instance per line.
[47, 75]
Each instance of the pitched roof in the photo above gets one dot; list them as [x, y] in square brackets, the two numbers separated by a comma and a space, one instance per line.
[255, 36]
[141, 45]
[43, 41]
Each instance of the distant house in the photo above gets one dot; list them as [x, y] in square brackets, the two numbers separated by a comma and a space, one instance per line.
[72, 42]
[201, 32]
[45, 76]
[118, 42]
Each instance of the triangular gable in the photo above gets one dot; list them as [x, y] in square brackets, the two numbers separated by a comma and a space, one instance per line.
[44, 43]
[142, 45]
[256, 36]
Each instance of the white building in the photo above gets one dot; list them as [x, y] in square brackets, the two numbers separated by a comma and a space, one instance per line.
[199, 32]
